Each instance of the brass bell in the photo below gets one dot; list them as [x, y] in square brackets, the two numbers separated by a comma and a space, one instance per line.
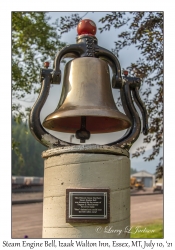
[87, 93]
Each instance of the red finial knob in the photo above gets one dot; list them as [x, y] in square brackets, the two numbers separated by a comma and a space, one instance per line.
[125, 72]
[46, 64]
[86, 27]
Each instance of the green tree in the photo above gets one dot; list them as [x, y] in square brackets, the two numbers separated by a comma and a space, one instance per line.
[34, 40]
[30, 162]
[133, 171]
[144, 30]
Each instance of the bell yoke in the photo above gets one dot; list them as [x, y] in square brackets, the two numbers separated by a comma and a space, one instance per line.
[86, 104]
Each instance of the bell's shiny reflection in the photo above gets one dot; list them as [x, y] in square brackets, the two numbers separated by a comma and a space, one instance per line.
[87, 92]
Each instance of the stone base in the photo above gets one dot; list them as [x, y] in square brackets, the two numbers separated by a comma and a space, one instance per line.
[86, 170]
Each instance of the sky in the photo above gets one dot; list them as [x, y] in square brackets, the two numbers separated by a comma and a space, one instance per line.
[126, 56]
[5, 100]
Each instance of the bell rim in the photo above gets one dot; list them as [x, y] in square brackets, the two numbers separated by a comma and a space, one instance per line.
[96, 113]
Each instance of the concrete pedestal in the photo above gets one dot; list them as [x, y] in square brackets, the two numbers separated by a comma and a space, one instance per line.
[84, 169]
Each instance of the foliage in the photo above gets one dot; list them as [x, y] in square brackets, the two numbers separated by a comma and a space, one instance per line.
[34, 40]
[159, 170]
[30, 162]
[144, 30]
[133, 171]
[152, 230]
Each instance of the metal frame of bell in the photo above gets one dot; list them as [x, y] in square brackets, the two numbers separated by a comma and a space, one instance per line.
[86, 46]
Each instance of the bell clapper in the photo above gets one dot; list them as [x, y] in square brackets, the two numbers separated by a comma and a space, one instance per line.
[83, 134]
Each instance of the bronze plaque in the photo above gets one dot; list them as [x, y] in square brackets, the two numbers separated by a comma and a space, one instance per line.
[87, 205]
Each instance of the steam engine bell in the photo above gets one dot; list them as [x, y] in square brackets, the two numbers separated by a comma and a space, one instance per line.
[86, 105]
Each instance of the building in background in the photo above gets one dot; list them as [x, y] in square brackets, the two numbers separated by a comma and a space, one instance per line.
[147, 178]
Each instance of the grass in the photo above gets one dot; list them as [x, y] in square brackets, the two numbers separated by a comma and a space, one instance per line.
[147, 230]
